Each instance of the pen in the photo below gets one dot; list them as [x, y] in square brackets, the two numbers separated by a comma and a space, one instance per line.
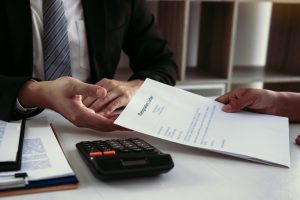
[13, 180]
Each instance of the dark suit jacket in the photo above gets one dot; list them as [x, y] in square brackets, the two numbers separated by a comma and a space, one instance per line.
[111, 25]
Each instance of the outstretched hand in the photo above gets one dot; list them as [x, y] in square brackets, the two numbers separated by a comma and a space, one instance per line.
[119, 94]
[256, 100]
[263, 101]
[64, 95]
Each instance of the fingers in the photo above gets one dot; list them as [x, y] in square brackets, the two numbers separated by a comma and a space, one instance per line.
[89, 90]
[113, 116]
[236, 100]
[223, 99]
[87, 118]
[66, 98]
[236, 104]
[114, 105]
[97, 104]
[110, 84]
[234, 94]
[118, 96]
[88, 101]
[114, 100]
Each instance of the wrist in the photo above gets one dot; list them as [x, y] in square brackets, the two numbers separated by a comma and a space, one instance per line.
[31, 94]
[287, 105]
[275, 99]
[20, 108]
[136, 83]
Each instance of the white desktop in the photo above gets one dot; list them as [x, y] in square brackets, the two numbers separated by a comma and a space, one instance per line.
[198, 174]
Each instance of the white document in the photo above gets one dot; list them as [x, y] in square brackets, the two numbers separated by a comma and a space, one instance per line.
[9, 140]
[179, 116]
[42, 156]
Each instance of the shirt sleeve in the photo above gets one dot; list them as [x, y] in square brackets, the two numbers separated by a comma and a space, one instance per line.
[23, 110]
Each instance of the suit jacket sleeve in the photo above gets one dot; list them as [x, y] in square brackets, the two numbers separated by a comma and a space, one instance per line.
[149, 54]
[16, 55]
[10, 87]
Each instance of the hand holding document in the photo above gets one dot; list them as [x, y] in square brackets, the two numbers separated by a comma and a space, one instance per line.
[179, 116]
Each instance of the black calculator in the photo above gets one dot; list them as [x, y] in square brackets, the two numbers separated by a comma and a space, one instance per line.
[124, 158]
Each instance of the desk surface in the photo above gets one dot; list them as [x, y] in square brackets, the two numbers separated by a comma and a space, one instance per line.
[198, 174]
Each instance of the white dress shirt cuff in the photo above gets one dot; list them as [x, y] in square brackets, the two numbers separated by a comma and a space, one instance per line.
[23, 110]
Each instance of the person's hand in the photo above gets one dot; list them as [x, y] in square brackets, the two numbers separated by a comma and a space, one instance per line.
[64, 95]
[256, 100]
[118, 95]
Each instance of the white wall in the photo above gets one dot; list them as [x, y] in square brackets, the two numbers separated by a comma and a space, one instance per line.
[193, 38]
[252, 33]
[251, 37]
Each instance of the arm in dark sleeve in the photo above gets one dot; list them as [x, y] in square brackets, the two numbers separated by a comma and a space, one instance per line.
[9, 90]
[15, 57]
[148, 52]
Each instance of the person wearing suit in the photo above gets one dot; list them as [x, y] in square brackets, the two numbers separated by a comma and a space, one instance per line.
[88, 100]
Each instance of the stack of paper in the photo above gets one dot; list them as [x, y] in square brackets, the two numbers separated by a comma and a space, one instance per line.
[43, 161]
[179, 116]
[11, 140]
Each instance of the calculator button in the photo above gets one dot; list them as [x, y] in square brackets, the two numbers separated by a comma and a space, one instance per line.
[149, 149]
[113, 147]
[94, 154]
[124, 150]
[92, 150]
[111, 152]
[137, 149]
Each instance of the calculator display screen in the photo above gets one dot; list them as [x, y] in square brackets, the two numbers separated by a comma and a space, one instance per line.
[133, 162]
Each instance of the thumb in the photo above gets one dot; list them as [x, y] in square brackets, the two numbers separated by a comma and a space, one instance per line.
[89, 90]
[238, 104]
